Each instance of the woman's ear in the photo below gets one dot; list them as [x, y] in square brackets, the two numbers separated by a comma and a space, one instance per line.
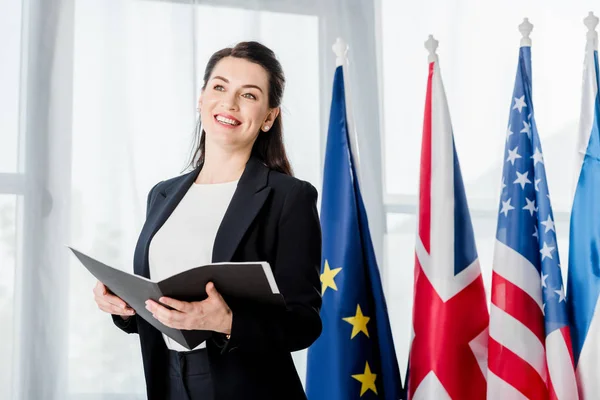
[271, 117]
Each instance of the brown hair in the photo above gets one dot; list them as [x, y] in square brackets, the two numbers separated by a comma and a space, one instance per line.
[268, 146]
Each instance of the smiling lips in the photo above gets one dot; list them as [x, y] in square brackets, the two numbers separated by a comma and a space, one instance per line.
[227, 120]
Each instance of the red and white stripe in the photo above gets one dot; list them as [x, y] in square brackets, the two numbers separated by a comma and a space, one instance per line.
[523, 363]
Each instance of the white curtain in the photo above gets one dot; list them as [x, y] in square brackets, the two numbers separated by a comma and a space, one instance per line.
[100, 104]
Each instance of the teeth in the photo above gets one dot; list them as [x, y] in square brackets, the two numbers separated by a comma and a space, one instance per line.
[226, 120]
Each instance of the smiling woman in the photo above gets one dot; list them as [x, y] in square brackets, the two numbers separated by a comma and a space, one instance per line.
[239, 203]
[240, 99]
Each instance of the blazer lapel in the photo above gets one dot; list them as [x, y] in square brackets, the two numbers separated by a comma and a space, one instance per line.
[165, 203]
[249, 197]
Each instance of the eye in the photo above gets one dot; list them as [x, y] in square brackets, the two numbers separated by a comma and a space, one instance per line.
[249, 96]
[219, 88]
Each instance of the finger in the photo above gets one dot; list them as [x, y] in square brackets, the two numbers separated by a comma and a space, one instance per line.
[117, 301]
[118, 311]
[168, 322]
[112, 309]
[109, 307]
[99, 289]
[179, 305]
[211, 290]
[159, 310]
[163, 314]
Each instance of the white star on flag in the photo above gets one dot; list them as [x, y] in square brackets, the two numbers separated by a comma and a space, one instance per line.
[519, 103]
[508, 133]
[526, 129]
[522, 179]
[530, 206]
[513, 155]
[546, 251]
[561, 294]
[506, 207]
[537, 157]
[537, 182]
[544, 277]
[549, 224]
[535, 234]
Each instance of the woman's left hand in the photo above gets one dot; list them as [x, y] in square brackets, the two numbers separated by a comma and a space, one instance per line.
[211, 314]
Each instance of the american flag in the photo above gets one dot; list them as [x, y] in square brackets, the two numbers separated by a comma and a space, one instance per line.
[450, 316]
[530, 352]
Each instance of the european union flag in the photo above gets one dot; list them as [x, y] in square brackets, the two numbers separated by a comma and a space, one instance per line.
[354, 357]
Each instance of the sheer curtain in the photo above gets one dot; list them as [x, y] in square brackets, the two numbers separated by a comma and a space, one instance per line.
[100, 105]
[10, 183]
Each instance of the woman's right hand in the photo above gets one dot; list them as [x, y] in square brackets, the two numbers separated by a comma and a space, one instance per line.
[110, 303]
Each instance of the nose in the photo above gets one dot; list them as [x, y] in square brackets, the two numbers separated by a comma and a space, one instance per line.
[230, 102]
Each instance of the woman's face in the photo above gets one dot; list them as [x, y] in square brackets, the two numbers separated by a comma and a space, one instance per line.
[234, 106]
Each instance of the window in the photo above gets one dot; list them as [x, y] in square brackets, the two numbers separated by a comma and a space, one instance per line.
[10, 54]
[8, 260]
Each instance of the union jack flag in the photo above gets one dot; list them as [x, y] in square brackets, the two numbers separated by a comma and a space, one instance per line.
[450, 317]
[530, 354]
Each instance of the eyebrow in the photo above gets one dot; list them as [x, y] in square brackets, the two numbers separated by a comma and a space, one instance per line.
[245, 86]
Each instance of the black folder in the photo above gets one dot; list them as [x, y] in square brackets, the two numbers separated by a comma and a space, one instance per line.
[246, 281]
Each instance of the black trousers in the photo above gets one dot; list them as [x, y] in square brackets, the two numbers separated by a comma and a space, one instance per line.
[189, 376]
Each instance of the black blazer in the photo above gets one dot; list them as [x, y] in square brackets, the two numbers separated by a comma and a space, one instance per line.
[272, 217]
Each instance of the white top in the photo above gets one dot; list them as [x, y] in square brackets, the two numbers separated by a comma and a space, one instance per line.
[187, 237]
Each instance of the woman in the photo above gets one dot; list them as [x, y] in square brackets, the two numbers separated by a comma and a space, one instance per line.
[240, 203]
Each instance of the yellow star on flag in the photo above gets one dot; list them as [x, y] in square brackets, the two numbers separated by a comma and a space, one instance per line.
[358, 322]
[367, 380]
[327, 278]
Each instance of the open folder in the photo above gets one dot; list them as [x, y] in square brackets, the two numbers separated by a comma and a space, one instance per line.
[246, 281]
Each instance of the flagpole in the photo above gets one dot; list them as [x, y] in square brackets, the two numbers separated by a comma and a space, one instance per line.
[340, 48]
